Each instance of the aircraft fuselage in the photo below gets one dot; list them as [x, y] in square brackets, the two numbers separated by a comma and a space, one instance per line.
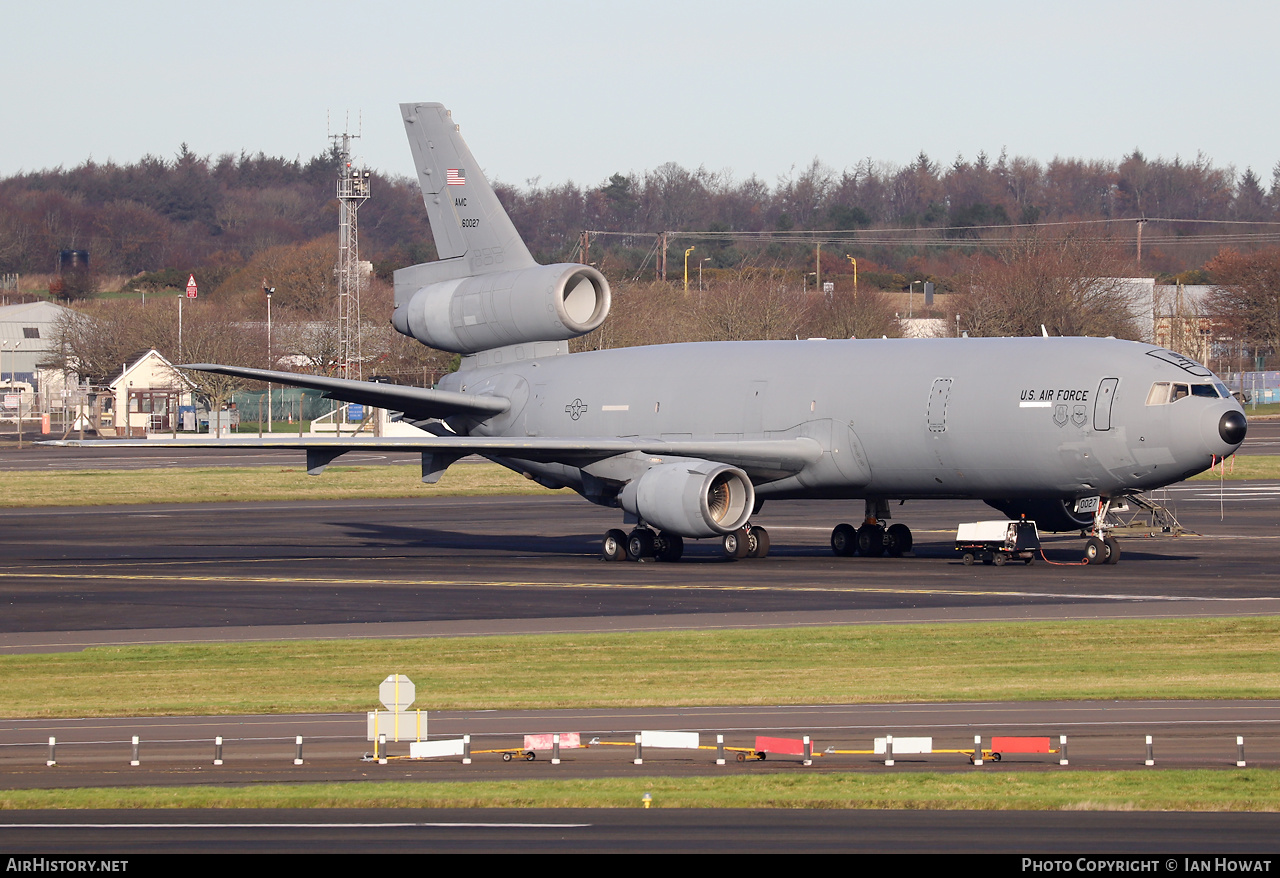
[896, 418]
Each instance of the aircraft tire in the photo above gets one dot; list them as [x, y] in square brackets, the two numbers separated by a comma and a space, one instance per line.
[900, 540]
[640, 544]
[844, 540]
[1095, 551]
[736, 544]
[614, 546]
[1113, 550]
[759, 543]
[871, 540]
[669, 547]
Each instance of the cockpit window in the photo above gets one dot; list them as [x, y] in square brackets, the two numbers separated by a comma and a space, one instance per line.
[1165, 392]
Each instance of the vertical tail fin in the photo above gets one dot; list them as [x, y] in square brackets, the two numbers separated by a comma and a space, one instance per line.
[467, 220]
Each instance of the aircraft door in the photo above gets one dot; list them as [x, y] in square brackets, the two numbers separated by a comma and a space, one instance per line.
[1102, 403]
[939, 396]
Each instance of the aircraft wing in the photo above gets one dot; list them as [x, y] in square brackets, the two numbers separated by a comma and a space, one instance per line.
[417, 403]
[761, 459]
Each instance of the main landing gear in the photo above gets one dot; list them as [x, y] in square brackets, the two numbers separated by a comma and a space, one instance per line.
[872, 539]
[643, 542]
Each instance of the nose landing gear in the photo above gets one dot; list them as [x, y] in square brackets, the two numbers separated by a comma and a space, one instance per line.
[1101, 548]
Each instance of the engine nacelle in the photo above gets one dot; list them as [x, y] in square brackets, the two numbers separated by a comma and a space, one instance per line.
[1055, 515]
[486, 311]
[693, 498]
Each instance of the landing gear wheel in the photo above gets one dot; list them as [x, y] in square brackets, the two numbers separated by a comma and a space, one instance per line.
[640, 544]
[759, 538]
[614, 547]
[899, 540]
[1095, 551]
[1113, 550]
[736, 544]
[871, 540]
[669, 547]
[844, 540]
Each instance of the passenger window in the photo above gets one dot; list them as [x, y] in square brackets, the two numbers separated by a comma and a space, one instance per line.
[1159, 394]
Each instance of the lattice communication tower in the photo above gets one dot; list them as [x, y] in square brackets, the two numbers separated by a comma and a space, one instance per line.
[353, 190]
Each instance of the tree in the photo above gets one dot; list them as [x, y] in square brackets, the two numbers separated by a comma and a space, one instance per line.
[754, 305]
[1246, 295]
[869, 314]
[1071, 285]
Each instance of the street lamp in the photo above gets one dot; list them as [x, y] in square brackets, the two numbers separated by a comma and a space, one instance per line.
[686, 268]
[270, 364]
[855, 274]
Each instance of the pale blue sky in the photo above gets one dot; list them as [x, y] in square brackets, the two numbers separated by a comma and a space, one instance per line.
[564, 90]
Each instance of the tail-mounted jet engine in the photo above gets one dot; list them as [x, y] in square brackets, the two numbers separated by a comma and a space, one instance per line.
[487, 311]
[1056, 515]
[692, 498]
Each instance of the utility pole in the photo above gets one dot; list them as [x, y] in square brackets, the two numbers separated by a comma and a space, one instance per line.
[817, 264]
[353, 190]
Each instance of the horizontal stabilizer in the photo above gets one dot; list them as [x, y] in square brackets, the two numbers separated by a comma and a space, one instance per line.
[417, 403]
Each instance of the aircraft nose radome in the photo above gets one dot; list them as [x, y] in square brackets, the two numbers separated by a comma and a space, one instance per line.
[1232, 427]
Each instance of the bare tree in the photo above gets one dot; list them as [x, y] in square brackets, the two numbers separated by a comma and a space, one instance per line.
[869, 314]
[1071, 285]
[753, 305]
[1246, 296]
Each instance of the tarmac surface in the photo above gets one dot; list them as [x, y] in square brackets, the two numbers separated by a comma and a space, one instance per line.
[71, 578]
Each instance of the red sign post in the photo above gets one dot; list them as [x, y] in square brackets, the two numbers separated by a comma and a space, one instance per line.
[191, 286]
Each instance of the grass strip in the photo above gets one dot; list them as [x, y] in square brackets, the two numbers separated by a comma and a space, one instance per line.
[1171, 790]
[1244, 466]
[1122, 659]
[243, 484]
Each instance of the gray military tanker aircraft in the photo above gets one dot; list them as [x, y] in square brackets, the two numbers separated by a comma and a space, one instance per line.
[689, 440]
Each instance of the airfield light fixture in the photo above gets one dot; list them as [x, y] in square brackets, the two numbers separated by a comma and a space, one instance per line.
[686, 268]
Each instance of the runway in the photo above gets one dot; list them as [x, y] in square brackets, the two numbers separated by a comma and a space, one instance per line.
[79, 576]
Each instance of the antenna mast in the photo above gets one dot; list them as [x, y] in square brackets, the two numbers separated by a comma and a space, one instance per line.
[353, 190]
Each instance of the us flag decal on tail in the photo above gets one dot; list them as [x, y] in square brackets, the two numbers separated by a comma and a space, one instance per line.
[455, 177]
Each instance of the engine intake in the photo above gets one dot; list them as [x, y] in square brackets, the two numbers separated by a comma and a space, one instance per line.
[693, 498]
[487, 311]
